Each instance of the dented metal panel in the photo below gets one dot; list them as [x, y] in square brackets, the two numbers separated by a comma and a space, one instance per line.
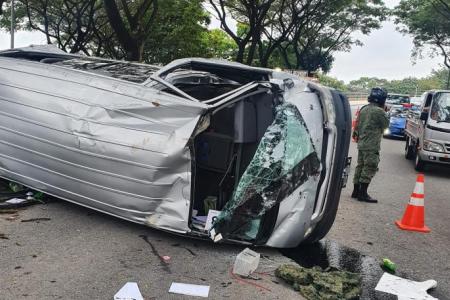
[110, 145]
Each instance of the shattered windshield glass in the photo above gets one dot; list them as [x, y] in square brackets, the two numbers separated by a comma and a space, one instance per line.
[284, 160]
[441, 108]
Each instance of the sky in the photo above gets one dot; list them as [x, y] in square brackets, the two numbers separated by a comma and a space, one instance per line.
[386, 53]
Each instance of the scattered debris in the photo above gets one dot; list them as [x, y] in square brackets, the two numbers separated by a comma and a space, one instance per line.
[166, 258]
[404, 288]
[246, 262]
[388, 265]
[189, 289]
[129, 291]
[37, 220]
[210, 203]
[16, 203]
[15, 187]
[4, 236]
[316, 283]
[17, 268]
[212, 214]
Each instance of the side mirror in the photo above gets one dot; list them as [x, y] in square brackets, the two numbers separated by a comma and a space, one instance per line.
[424, 116]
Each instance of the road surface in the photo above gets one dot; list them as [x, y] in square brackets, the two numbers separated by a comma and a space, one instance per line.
[370, 229]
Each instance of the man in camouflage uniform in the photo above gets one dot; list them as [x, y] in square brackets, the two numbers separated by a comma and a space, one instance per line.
[371, 122]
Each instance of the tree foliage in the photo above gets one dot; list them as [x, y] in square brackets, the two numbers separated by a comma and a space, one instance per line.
[410, 85]
[293, 34]
[332, 82]
[1, 6]
[428, 21]
[303, 33]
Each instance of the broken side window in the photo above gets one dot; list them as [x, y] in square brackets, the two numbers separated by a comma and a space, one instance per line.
[284, 160]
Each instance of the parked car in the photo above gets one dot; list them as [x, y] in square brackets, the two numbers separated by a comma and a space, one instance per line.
[428, 131]
[396, 99]
[397, 120]
[169, 146]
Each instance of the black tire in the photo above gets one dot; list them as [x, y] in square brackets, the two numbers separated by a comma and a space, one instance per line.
[419, 164]
[409, 149]
[343, 125]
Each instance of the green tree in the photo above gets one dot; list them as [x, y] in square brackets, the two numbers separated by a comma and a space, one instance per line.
[332, 82]
[364, 84]
[131, 22]
[1, 6]
[218, 44]
[428, 21]
[178, 31]
[153, 31]
[70, 24]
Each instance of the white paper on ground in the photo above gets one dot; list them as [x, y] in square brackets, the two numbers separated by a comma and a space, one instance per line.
[130, 291]
[15, 201]
[211, 214]
[189, 289]
[405, 288]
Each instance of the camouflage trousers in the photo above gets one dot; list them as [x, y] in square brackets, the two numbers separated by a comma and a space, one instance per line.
[367, 166]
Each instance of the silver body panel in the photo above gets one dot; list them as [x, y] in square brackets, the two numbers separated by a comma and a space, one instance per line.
[123, 148]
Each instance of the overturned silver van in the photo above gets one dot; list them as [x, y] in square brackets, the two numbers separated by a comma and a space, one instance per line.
[165, 146]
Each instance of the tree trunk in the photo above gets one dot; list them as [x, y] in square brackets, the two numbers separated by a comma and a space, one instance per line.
[132, 46]
[285, 57]
[240, 54]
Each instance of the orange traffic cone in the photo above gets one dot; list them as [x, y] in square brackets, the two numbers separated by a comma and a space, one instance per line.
[414, 216]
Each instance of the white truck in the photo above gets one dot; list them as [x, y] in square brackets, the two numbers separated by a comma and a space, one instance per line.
[428, 131]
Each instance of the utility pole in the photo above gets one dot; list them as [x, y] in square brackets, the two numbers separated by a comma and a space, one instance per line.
[13, 24]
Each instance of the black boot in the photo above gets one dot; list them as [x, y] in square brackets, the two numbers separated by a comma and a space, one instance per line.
[363, 196]
[355, 193]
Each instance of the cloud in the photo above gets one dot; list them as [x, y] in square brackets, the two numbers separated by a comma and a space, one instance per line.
[386, 54]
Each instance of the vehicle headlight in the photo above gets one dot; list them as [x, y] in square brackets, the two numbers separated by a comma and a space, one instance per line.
[432, 146]
[387, 131]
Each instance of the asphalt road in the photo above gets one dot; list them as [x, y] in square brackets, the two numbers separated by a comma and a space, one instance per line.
[370, 228]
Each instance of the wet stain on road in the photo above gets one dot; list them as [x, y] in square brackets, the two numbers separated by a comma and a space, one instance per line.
[162, 262]
[330, 254]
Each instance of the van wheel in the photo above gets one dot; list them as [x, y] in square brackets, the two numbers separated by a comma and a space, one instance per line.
[409, 149]
[419, 164]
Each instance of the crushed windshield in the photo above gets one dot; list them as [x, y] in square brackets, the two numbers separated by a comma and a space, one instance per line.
[284, 160]
[440, 110]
